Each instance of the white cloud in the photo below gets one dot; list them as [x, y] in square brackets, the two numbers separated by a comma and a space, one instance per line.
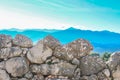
[13, 19]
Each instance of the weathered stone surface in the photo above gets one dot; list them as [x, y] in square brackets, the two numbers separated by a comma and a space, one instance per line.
[116, 73]
[4, 75]
[75, 61]
[75, 49]
[22, 41]
[77, 74]
[5, 41]
[39, 53]
[106, 72]
[51, 42]
[62, 68]
[114, 65]
[43, 69]
[2, 65]
[10, 52]
[22, 79]
[28, 75]
[38, 77]
[92, 77]
[17, 66]
[114, 60]
[50, 77]
[91, 65]
[102, 76]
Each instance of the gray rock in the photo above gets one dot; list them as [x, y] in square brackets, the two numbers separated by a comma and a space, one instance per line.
[75, 49]
[62, 69]
[22, 41]
[10, 52]
[2, 65]
[75, 61]
[5, 41]
[43, 69]
[51, 42]
[102, 76]
[50, 77]
[92, 77]
[91, 65]
[4, 75]
[17, 66]
[39, 53]
[114, 65]
[22, 79]
[116, 73]
[77, 74]
[114, 60]
[28, 75]
[106, 72]
[38, 77]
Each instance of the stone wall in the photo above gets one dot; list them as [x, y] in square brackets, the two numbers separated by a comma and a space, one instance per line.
[49, 60]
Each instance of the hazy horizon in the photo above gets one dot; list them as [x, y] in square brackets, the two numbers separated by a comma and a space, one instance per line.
[95, 15]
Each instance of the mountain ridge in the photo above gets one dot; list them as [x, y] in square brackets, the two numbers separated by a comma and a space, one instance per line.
[101, 40]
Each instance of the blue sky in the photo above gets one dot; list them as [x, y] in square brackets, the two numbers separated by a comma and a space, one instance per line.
[60, 14]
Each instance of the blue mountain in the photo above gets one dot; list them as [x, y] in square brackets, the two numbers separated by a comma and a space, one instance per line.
[103, 41]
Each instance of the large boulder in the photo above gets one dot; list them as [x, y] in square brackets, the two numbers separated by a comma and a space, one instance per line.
[10, 52]
[17, 66]
[39, 53]
[4, 75]
[5, 41]
[51, 42]
[22, 41]
[75, 49]
[91, 65]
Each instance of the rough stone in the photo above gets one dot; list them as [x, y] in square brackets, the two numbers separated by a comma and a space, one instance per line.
[22, 79]
[92, 77]
[38, 77]
[43, 69]
[10, 52]
[22, 41]
[114, 60]
[63, 69]
[17, 66]
[75, 49]
[114, 65]
[2, 65]
[106, 72]
[75, 61]
[102, 76]
[28, 75]
[116, 73]
[50, 77]
[4, 75]
[91, 65]
[51, 42]
[5, 41]
[39, 53]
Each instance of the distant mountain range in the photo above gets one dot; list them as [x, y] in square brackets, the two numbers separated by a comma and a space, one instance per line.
[103, 41]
